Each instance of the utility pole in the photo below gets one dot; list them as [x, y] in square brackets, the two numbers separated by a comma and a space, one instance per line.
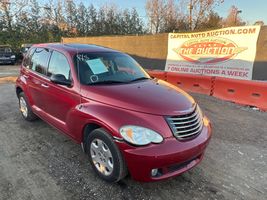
[236, 13]
[190, 7]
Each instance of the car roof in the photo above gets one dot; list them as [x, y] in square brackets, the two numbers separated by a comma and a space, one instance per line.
[26, 45]
[74, 47]
[5, 45]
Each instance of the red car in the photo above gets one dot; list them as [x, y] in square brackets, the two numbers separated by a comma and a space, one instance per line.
[125, 120]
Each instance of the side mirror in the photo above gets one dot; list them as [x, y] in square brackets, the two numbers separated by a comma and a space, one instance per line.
[60, 79]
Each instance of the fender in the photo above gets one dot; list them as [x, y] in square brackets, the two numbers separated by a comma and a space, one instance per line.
[107, 116]
[21, 83]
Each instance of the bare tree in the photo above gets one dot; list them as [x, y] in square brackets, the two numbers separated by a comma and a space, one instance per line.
[199, 10]
[233, 19]
[11, 9]
[155, 10]
[170, 17]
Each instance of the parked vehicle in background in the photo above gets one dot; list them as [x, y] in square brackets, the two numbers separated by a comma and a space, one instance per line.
[6, 55]
[125, 120]
[24, 49]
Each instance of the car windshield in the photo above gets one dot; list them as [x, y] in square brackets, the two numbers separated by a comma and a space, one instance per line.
[5, 50]
[108, 68]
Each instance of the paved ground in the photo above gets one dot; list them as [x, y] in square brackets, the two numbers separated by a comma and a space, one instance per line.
[37, 162]
[9, 70]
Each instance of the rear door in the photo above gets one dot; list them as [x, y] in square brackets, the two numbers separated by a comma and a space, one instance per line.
[36, 74]
[24, 74]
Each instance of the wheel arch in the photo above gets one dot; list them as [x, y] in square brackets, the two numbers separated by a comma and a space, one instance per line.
[18, 90]
[88, 128]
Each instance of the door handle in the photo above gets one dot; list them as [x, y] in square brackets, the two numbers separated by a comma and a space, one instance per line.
[44, 85]
[25, 76]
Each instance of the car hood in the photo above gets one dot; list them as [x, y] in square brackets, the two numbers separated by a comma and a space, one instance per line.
[149, 96]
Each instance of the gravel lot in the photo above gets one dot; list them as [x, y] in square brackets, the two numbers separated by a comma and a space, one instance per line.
[9, 70]
[37, 162]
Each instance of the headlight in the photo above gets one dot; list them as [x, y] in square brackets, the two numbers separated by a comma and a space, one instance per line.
[139, 135]
[13, 56]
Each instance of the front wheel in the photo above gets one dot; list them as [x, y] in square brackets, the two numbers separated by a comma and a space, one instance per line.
[25, 109]
[105, 157]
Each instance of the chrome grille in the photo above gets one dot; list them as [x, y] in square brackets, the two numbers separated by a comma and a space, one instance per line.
[187, 125]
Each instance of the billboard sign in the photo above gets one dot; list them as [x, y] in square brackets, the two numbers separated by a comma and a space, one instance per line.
[228, 52]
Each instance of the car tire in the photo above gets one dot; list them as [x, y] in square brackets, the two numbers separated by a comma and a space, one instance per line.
[104, 156]
[25, 109]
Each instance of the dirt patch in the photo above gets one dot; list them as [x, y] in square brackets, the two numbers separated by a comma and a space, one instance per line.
[10, 79]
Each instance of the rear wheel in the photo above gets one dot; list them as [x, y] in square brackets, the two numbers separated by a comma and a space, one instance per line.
[105, 157]
[25, 109]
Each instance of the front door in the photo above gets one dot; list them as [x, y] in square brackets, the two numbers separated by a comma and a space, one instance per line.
[60, 100]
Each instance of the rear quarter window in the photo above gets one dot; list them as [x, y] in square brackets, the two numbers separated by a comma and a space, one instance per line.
[27, 60]
[39, 61]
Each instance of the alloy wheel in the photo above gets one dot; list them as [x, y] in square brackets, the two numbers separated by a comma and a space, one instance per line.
[101, 156]
[23, 107]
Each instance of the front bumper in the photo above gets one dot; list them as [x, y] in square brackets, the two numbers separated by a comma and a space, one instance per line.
[172, 157]
[6, 60]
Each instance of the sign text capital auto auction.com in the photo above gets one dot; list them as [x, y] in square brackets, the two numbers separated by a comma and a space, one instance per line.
[228, 52]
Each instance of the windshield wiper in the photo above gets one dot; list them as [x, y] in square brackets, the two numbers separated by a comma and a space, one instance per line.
[106, 82]
[139, 79]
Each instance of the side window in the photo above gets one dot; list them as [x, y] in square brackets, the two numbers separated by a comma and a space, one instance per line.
[59, 65]
[39, 60]
[27, 60]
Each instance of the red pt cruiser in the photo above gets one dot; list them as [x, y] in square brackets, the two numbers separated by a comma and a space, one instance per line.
[125, 120]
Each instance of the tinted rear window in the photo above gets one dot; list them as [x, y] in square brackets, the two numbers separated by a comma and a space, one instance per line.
[28, 57]
[39, 61]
